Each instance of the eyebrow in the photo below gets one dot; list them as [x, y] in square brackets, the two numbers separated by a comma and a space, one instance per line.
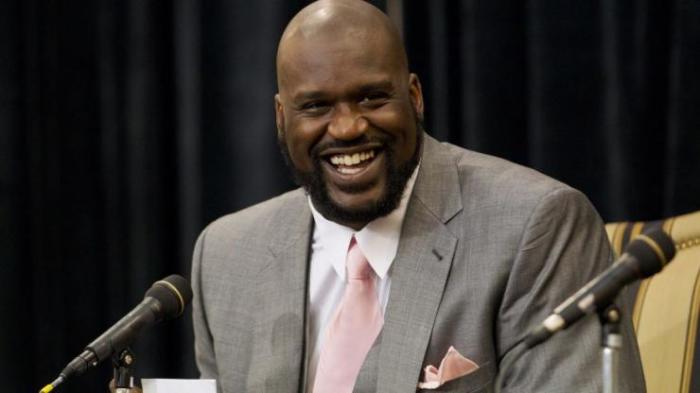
[311, 95]
[372, 86]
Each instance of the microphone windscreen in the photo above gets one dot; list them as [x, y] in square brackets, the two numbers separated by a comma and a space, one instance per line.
[174, 294]
[653, 250]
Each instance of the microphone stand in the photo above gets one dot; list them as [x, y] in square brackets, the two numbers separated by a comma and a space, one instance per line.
[611, 343]
[123, 375]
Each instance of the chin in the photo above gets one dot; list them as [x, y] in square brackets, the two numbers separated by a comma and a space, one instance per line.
[357, 201]
[355, 211]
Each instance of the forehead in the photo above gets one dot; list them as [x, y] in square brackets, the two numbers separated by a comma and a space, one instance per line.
[337, 62]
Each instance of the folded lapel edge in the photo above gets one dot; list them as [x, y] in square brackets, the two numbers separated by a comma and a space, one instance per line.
[420, 270]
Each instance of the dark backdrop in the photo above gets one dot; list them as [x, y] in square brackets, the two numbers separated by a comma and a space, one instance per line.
[126, 126]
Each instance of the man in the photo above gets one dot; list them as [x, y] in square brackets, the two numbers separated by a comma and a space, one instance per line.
[464, 250]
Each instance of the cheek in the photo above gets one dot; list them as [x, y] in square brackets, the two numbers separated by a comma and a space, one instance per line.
[401, 125]
[301, 137]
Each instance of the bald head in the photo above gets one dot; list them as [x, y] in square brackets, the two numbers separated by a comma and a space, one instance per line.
[348, 112]
[338, 25]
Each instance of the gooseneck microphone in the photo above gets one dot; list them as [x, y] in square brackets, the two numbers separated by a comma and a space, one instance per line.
[646, 255]
[166, 299]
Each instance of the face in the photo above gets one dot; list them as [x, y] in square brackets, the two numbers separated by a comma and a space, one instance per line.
[348, 117]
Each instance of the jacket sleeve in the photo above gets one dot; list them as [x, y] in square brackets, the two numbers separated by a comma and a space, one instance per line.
[563, 247]
[203, 343]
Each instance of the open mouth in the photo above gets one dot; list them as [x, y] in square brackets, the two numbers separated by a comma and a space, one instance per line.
[352, 163]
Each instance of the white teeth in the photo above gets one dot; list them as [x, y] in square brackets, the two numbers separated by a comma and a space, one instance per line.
[348, 170]
[347, 160]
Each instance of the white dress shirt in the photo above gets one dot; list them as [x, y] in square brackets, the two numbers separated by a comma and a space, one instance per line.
[378, 240]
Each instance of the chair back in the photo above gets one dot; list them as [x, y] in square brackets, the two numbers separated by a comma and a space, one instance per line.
[667, 306]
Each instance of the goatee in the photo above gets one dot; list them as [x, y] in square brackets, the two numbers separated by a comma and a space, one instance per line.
[397, 177]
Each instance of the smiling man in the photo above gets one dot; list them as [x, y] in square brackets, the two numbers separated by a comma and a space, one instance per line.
[401, 263]
[348, 112]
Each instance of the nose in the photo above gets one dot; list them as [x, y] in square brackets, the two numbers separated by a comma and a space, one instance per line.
[347, 124]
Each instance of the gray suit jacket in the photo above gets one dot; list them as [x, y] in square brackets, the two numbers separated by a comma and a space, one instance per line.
[488, 248]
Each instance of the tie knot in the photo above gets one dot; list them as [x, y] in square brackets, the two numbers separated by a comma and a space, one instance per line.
[357, 265]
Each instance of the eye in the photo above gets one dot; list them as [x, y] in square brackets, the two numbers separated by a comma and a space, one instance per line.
[315, 107]
[374, 99]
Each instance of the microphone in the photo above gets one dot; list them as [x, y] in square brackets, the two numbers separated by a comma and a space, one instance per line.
[165, 300]
[645, 256]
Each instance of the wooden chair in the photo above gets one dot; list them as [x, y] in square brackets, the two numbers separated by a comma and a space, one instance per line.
[667, 306]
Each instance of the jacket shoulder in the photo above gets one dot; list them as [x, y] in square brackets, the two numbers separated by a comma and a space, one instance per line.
[252, 227]
[492, 176]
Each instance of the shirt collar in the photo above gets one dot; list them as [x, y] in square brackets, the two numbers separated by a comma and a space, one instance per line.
[378, 240]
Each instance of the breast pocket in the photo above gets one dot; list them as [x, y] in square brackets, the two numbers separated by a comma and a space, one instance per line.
[480, 381]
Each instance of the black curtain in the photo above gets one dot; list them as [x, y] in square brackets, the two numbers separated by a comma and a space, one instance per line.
[126, 126]
[602, 95]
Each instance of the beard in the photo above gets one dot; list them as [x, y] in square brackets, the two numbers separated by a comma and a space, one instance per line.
[396, 178]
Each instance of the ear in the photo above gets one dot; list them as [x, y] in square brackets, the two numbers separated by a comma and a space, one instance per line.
[415, 92]
[279, 116]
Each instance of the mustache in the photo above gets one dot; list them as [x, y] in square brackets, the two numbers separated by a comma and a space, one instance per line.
[381, 139]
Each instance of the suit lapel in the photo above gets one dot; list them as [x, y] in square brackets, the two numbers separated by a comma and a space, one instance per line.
[278, 354]
[420, 271]
[419, 274]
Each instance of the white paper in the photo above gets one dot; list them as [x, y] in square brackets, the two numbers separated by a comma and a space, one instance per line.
[178, 385]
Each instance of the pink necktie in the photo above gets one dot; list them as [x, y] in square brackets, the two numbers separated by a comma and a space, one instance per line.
[354, 327]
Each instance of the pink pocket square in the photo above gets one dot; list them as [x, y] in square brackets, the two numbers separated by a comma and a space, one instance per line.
[452, 366]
